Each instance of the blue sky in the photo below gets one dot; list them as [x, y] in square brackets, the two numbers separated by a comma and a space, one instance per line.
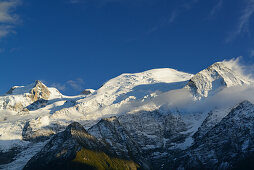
[78, 44]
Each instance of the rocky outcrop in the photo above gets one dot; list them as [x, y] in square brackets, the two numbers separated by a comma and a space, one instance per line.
[40, 103]
[227, 145]
[155, 133]
[75, 148]
[25, 98]
[37, 130]
[16, 107]
[39, 91]
[212, 119]
[7, 157]
[87, 91]
[150, 128]
[146, 135]
[11, 90]
[119, 139]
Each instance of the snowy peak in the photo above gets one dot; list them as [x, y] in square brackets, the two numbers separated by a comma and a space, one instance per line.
[31, 88]
[244, 109]
[215, 78]
[141, 84]
[19, 97]
[35, 91]
[77, 130]
[39, 91]
[231, 77]
[165, 75]
[130, 87]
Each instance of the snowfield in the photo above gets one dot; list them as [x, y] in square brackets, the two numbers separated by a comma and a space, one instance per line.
[163, 109]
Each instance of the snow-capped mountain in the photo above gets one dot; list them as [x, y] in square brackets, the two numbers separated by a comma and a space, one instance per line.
[18, 98]
[132, 121]
[215, 78]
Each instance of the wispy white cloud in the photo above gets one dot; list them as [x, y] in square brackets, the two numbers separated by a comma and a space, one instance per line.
[182, 99]
[188, 4]
[178, 11]
[243, 22]
[6, 29]
[216, 8]
[6, 11]
[59, 86]
[173, 16]
[167, 20]
[76, 84]
[8, 17]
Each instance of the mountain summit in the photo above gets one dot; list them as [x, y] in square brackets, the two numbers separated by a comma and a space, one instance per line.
[215, 78]
[19, 97]
[133, 121]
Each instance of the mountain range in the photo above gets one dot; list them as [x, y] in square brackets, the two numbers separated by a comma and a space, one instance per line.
[157, 119]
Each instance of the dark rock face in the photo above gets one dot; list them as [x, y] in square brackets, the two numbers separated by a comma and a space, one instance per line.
[212, 119]
[154, 132]
[7, 157]
[87, 91]
[228, 145]
[61, 148]
[120, 141]
[149, 134]
[33, 134]
[75, 148]
[11, 90]
[37, 104]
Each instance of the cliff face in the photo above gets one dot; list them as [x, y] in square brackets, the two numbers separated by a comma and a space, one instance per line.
[75, 148]
[227, 145]
[39, 91]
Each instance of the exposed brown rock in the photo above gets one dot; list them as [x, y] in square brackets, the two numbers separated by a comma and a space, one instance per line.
[87, 91]
[16, 107]
[40, 91]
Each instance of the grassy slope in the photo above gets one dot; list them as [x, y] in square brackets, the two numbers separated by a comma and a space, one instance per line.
[100, 160]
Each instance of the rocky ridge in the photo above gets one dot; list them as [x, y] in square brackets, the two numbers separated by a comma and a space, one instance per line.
[75, 148]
